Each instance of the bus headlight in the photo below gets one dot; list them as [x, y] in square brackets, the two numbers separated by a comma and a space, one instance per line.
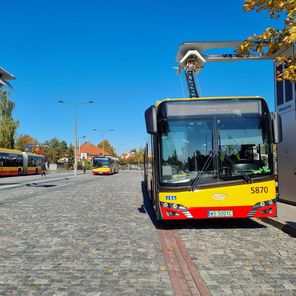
[173, 206]
[263, 204]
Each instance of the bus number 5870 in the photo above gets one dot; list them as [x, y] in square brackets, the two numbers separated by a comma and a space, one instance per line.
[257, 190]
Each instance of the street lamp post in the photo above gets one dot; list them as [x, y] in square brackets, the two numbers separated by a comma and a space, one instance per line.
[103, 133]
[82, 137]
[75, 127]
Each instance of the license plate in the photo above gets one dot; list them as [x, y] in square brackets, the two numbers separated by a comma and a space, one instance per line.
[220, 213]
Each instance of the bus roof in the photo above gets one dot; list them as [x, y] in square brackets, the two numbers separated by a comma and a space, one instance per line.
[5, 150]
[208, 98]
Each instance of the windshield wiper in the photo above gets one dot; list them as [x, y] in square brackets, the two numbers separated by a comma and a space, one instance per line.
[234, 165]
[196, 180]
[211, 156]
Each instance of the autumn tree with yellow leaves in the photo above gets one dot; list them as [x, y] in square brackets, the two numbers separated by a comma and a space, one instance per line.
[274, 39]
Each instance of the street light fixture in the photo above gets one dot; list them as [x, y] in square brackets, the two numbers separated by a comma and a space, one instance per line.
[4, 76]
[75, 127]
[103, 133]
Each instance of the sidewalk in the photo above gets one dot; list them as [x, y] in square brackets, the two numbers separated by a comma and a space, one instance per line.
[18, 181]
[286, 219]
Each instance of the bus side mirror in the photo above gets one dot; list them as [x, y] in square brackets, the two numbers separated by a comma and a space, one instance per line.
[277, 129]
[151, 121]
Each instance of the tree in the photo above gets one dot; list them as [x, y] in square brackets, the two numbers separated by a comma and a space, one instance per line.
[70, 156]
[136, 157]
[54, 150]
[22, 142]
[274, 38]
[8, 126]
[106, 146]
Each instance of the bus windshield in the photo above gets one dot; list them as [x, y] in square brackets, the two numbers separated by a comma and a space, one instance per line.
[101, 162]
[214, 149]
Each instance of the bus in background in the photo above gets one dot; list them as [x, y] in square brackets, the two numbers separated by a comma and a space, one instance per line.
[32, 163]
[15, 162]
[211, 158]
[104, 165]
[11, 162]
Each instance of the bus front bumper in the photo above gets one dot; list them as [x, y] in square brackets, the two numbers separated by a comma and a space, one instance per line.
[101, 172]
[171, 211]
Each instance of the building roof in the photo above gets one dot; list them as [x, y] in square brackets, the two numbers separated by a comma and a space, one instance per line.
[128, 155]
[92, 150]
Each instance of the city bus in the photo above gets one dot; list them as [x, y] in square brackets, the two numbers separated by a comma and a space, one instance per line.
[15, 162]
[32, 163]
[211, 157]
[104, 165]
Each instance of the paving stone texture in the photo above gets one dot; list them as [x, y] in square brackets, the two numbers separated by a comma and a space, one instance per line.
[83, 236]
[90, 235]
[242, 257]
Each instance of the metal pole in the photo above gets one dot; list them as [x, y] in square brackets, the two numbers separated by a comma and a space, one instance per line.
[79, 150]
[103, 144]
[75, 129]
[75, 141]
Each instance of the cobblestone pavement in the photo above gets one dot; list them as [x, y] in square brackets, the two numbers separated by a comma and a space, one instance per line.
[90, 235]
[83, 236]
[242, 257]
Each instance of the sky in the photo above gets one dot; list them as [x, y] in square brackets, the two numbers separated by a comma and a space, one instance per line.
[121, 55]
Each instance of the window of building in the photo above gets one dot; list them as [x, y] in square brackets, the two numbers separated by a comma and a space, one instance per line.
[288, 91]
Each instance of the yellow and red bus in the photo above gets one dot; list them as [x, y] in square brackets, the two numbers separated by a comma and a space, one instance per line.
[15, 162]
[32, 163]
[104, 165]
[211, 157]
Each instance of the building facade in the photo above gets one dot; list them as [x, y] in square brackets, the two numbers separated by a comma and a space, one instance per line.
[285, 98]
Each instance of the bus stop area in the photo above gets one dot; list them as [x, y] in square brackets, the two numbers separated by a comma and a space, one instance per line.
[97, 235]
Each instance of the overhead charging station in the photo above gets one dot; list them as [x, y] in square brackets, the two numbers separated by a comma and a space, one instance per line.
[191, 58]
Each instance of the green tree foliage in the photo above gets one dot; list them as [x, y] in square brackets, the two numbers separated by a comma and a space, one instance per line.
[274, 38]
[54, 150]
[106, 146]
[25, 141]
[70, 155]
[135, 157]
[8, 126]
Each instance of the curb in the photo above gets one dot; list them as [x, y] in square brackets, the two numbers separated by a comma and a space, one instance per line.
[280, 225]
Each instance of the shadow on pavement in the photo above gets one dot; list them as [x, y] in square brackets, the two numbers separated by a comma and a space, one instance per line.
[41, 185]
[194, 224]
[290, 228]
[291, 223]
